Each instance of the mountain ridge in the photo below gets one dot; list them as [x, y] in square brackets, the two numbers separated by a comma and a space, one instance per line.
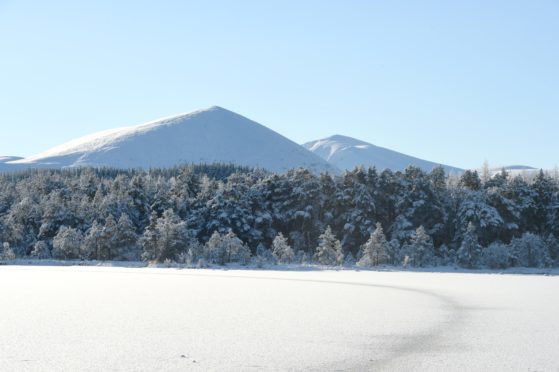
[346, 153]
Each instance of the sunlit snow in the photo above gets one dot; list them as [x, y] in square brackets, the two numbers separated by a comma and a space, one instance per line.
[142, 319]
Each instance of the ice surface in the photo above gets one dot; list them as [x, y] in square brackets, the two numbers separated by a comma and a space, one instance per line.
[144, 319]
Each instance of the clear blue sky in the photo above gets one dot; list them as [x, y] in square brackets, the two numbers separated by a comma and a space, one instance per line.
[457, 82]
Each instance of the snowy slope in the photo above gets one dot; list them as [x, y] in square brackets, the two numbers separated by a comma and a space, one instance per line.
[210, 135]
[5, 159]
[347, 153]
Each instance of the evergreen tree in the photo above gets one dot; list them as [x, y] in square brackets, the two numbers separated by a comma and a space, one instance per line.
[236, 250]
[7, 252]
[496, 256]
[126, 239]
[281, 250]
[67, 243]
[41, 250]
[469, 252]
[149, 240]
[329, 250]
[216, 250]
[107, 240]
[529, 251]
[374, 250]
[420, 249]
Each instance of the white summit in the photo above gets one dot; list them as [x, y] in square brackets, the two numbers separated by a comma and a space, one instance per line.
[346, 153]
[204, 136]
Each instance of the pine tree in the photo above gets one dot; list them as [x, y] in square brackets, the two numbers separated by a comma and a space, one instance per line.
[329, 250]
[216, 251]
[529, 251]
[236, 250]
[41, 250]
[126, 239]
[281, 250]
[150, 238]
[7, 252]
[107, 239]
[469, 252]
[421, 249]
[374, 250]
[67, 243]
[170, 236]
[496, 256]
[90, 248]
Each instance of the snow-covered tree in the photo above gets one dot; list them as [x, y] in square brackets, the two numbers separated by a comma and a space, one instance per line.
[420, 249]
[281, 250]
[349, 259]
[7, 252]
[107, 240]
[170, 232]
[329, 249]
[529, 251]
[375, 249]
[236, 250]
[40, 250]
[496, 256]
[149, 239]
[470, 250]
[67, 243]
[126, 239]
[216, 250]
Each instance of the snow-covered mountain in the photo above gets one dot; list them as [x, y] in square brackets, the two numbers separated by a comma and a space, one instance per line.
[515, 170]
[5, 159]
[204, 136]
[347, 153]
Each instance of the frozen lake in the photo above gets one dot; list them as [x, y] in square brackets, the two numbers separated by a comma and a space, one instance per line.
[140, 319]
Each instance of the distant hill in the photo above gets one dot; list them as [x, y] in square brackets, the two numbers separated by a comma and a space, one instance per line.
[347, 153]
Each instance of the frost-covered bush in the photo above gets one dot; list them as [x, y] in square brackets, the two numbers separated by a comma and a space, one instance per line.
[529, 251]
[496, 256]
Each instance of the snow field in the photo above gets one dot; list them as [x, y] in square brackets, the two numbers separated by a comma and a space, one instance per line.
[144, 319]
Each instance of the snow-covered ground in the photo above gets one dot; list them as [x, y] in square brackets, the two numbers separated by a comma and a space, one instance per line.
[147, 319]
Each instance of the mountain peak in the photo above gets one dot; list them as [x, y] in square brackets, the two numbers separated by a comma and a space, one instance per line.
[347, 153]
[208, 135]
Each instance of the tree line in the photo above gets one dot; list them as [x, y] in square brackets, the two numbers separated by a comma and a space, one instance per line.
[220, 213]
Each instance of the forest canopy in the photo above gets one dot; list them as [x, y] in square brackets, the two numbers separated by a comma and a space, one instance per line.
[222, 213]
